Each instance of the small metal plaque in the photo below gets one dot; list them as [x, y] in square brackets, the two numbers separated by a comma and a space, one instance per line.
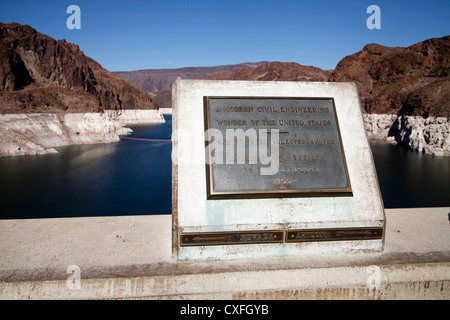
[227, 238]
[300, 135]
[278, 236]
[309, 235]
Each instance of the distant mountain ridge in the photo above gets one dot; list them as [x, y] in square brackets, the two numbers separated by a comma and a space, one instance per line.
[412, 80]
[273, 71]
[156, 81]
[160, 80]
[39, 74]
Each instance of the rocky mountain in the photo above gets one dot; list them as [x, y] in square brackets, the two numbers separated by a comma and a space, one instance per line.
[156, 81]
[273, 71]
[267, 71]
[412, 80]
[407, 81]
[41, 74]
[405, 93]
[403, 81]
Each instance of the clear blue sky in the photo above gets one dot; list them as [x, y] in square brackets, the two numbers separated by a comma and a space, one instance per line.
[135, 34]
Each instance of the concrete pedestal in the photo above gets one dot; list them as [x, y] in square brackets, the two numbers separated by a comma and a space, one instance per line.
[194, 213]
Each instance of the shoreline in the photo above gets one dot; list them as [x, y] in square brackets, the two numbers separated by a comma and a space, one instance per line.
[427, 135]
[40, 133]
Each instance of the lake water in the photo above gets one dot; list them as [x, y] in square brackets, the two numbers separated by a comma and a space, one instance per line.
[133, 177]
[130, 177]
[409, 179]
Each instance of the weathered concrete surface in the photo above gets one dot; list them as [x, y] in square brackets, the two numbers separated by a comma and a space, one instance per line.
[130, 257]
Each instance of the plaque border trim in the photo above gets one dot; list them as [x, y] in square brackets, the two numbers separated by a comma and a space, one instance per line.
[213, 195]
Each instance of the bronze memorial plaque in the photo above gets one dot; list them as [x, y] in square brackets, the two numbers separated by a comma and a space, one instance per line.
[273, 147]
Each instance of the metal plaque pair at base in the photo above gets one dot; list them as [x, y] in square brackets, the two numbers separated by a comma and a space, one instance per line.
[287, 165]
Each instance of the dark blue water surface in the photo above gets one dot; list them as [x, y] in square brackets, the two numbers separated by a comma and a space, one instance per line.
[133, 177]
[409, 179]
[130, 177]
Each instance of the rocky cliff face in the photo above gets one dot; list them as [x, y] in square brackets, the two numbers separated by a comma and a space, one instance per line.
[41, 74]
[429, 135]
[39, 133]
[412, 81]
[405, 93]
